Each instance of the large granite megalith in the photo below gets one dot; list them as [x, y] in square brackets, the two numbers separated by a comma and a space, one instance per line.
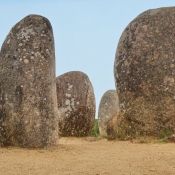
[107, 113]
[76, 104]
[28, 103]
[145, 73]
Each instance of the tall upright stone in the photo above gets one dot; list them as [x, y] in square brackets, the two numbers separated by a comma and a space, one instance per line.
[145, 72]
[28, 104]
[107, 113]
[76, 104]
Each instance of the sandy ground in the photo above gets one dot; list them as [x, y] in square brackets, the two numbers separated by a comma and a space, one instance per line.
[82, 156]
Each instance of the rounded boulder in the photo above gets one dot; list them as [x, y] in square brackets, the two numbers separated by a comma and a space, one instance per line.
[76, 104]
[28, 103]
[107, 113]
[144, 72]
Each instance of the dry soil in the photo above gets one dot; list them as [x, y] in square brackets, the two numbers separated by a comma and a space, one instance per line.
[84, 156]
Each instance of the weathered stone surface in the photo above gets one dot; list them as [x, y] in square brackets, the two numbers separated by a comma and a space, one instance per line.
[111, 127]
[107, 113]
[76, 104]
[145, 72]
[28, 103]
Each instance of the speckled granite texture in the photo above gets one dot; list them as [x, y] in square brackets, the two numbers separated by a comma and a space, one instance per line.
[108, 109]
[145, 72]
[76, 104]
[28, 103]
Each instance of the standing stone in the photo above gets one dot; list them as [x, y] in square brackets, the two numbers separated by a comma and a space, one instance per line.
[145, 73]
[107, 113]
[76, 104]
[28, 104]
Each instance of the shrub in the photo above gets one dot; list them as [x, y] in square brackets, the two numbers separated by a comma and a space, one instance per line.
[95, 130]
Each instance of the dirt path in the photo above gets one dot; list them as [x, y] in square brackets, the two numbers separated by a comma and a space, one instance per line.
[78, 156]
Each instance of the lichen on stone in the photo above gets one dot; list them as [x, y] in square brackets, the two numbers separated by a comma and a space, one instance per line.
[76, 104]
[27, 73]
[144, 72]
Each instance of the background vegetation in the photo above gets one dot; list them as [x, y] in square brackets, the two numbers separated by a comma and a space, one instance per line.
[95, 130]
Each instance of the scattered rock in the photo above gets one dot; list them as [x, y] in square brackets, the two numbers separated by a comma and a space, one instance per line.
[28, 104]
[144, 72]
[76, 104]
[107, 113]
[92, 139]
[171, 138]
[153, 169]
